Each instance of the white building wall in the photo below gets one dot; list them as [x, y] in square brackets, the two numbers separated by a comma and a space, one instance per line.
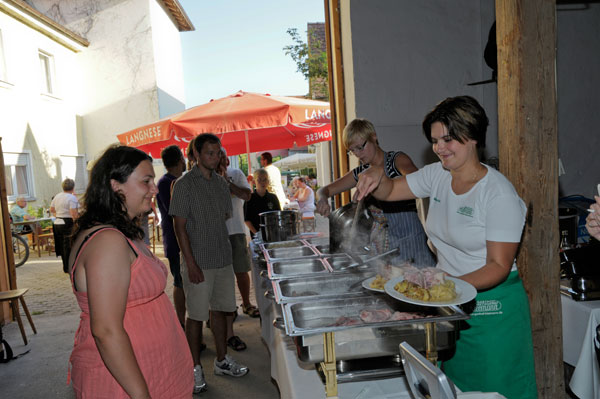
[132, 73]
[41, 125]
[168, 61]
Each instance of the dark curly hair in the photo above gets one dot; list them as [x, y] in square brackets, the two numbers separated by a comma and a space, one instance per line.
[101, 204]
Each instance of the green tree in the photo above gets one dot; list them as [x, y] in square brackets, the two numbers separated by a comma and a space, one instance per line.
[311, 61]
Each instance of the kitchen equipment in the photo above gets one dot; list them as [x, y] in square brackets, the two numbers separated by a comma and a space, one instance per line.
[567, 223]
[297, 268]
[283, 244]
[580, 271]
[353, 237]
[278, 254]
[368, 260]
[340, 225]
[424, 379]
[367, 351]
[309, 319]
[337, 262]
[288, 290]
[279, 225]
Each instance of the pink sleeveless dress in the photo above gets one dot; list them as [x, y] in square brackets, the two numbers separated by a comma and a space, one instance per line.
[158, 341]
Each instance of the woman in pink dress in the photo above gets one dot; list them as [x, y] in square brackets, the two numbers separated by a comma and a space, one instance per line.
[129, 343]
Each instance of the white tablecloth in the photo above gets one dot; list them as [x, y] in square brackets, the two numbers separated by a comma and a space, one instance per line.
[580, 319]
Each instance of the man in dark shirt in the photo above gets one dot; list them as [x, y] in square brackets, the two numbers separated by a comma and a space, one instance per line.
[175, 164]
[260, 201]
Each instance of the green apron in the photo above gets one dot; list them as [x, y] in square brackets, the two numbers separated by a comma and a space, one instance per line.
[494, 352]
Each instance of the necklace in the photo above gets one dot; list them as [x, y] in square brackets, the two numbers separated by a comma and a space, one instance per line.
[462, 186]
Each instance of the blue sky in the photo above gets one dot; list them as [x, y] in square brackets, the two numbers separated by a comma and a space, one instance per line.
[238, 45]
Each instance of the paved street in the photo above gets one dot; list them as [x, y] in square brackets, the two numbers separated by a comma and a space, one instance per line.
[43, 371]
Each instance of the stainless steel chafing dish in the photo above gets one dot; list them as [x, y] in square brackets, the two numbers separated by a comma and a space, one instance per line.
[282, 244]
[314, 292]
[308, 320]
[278, 254]
[317, 241]
[318, 287]
[310, 266]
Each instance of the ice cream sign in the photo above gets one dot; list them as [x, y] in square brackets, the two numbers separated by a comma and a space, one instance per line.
[146, 135]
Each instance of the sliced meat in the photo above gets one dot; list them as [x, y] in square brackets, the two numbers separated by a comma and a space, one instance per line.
[347, 321]
[375, 315]
[406, 316]
[415, 277]
[432, 276]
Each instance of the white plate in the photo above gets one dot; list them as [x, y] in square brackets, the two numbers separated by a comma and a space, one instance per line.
[367, 284]
[464, 293]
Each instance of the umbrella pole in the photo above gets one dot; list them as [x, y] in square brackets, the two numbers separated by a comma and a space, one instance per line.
[248, 152]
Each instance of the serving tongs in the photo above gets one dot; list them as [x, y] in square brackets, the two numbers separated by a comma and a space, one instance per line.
[368, 260]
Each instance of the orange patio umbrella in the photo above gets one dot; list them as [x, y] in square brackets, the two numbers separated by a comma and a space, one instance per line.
[245, 122]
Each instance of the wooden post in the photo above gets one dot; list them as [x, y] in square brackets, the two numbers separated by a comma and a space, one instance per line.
[8, 276]
[336, 92]
[528, 150]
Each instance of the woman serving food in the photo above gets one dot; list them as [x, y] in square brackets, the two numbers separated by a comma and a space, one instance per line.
[404, 230]
[475, 221]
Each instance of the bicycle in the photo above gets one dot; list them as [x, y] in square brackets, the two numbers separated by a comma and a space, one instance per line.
[20, 248]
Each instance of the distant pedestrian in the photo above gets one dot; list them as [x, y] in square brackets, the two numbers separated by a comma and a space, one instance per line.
[260, 201]
[275, 186]
[65, 208]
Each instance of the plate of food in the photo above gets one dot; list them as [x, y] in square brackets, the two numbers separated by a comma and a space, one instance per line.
[375, 283]
[449, 291]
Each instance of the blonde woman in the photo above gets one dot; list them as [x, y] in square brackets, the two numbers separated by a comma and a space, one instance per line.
[404, 229]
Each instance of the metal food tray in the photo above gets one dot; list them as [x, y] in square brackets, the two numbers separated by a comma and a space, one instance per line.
[279, 254]
[299, 267]
[282, 244]
[317, 241]
[337, 262]
[319, 316]
[306, 321]
[318, 287]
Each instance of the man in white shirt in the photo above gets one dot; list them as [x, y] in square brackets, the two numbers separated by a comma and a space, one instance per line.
[275, 186]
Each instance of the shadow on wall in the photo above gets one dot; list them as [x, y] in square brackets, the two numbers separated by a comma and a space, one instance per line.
[101, 126]
[46, 170]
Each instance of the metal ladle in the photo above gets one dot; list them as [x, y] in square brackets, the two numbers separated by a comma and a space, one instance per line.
[368, 260]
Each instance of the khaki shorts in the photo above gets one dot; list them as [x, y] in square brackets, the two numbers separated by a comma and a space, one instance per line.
[239, 250]
[216, 292]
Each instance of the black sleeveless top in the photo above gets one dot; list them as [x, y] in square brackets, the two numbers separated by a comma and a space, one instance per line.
[392, 172]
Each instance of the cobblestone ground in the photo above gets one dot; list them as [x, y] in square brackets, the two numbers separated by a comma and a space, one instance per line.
[50, 290]
[49, 287]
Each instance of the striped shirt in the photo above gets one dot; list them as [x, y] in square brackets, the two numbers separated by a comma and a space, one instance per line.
[389, 166]
[205, 204]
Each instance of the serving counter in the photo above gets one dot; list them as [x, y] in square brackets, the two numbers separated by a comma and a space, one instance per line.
[297, 379]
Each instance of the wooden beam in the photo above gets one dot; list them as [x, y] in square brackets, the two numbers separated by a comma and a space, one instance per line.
[528, 150]
[8, 275]
[336, 93]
